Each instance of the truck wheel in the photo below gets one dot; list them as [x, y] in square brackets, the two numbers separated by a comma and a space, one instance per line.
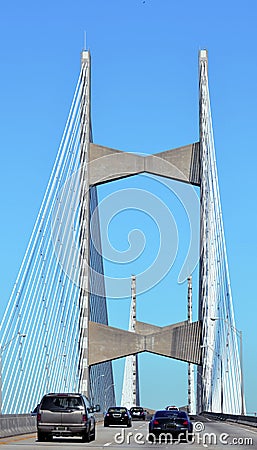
[48, 437]
[41, 436]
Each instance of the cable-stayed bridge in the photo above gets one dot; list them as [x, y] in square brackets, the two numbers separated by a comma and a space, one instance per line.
[55, 334]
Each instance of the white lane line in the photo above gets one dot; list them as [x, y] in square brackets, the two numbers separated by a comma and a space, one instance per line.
[107, 444]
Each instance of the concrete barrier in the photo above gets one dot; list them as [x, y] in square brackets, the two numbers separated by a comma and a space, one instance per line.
[99, 417]
[15, 424]
[243, 420]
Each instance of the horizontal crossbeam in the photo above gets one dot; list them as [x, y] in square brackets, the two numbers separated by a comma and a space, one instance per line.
[107, 164]
[179, 341]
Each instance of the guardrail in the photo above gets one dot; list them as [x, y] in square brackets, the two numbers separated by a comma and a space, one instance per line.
[243, 420]
[14, 424]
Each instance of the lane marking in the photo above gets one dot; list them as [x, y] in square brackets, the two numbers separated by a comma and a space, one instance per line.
[17, 439]
[107, 444]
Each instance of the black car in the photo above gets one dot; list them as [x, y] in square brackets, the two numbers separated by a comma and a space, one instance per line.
[137, 412]
[170, 424]
[117, 415]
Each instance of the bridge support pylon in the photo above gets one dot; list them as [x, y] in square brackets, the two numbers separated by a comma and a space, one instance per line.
[130, 389]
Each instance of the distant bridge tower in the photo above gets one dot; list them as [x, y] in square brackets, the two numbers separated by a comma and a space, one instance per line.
[191, 378]
[130, 389]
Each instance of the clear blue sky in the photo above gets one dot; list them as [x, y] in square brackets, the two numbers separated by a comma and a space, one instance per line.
[145, 99]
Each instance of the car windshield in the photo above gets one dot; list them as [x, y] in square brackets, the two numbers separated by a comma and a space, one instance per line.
[170, 413]
[61, 402]
[114, 410]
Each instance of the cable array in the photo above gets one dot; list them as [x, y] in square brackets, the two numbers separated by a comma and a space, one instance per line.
[44, 331]
[40, 327]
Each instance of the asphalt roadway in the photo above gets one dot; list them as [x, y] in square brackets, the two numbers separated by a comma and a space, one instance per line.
[208, 434]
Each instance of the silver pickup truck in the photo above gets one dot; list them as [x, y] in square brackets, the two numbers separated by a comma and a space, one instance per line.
[62, 414]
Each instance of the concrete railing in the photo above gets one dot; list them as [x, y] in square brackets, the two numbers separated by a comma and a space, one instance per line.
[14, 424]
[243, 420]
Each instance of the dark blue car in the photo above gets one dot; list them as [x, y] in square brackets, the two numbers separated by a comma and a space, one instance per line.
[172, 424]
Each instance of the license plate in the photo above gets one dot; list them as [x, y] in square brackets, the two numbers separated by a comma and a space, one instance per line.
[170, 426]
[61, 428]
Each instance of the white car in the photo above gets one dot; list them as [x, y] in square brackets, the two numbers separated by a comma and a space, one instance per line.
[172, 408]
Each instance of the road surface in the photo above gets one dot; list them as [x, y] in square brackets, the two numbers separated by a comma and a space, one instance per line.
[208, 434]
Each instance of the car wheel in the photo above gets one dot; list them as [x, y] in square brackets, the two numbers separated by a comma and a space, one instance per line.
[129, 425]
[85, 436]
[189, 436]
[92, 436]
[106, 424]
[151, 437]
